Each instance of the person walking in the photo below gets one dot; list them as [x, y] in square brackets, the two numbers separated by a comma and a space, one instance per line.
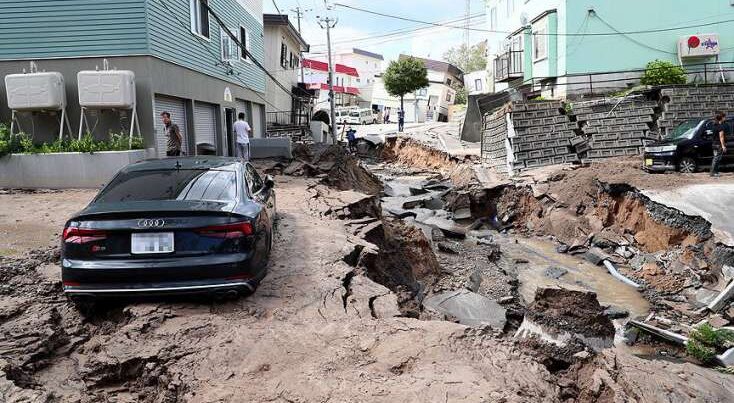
[173, 136]
[401, 120]
[243, 130]
[720, 131]
[352, 139]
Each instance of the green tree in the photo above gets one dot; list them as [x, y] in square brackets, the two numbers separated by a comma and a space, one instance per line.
[468, 59]
[405, 76]
[461, 93]
[661, 72]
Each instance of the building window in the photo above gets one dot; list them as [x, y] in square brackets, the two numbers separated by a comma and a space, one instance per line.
[448, 97]
[229, 48]
[540, 41]
[448, 82]
[199, 17]
[423, 92]
[478, 84]
[493, 18]
[283, 56]
[245, 41]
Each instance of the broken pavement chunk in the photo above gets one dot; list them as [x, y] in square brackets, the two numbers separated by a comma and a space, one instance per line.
[722, 299]
[468, 308]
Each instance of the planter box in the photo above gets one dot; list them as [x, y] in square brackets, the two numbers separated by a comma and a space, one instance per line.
[65, 170]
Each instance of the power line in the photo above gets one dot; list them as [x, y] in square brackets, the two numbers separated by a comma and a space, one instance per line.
[644, 45]
[535, 33]
[401, 31]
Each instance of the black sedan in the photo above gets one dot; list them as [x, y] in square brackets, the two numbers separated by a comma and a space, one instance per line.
[178, 225]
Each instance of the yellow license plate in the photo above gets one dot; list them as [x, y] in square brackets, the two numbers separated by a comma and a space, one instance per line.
[648, 162]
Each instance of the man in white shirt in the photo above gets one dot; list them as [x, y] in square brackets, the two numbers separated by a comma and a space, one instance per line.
[243, 130]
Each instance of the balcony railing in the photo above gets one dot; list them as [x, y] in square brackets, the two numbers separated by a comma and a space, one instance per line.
[508, 66]
[287, 118]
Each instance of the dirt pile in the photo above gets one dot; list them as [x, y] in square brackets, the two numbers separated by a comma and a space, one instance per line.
[332, 165]
[570, 311]
[407, 152]
[399, 257]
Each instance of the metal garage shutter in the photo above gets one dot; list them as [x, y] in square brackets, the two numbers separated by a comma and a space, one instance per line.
[205, 124]
[177, 109]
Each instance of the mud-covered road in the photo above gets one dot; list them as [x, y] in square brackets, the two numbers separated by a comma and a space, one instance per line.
[313, 332]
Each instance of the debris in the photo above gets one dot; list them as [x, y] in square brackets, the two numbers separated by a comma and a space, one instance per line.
[468, 308]
[722, 298]
[555, 272]
[596, 256]
[727, 272]
[613, 271]
[447, 248]
[665, 334]
[614, 312]
[560, 316]
[417, 191]
[401, 214]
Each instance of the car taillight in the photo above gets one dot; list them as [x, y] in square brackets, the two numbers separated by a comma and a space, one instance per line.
[83, 235]
[227, 231]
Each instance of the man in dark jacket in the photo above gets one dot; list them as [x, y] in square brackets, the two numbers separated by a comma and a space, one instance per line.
[720, 131]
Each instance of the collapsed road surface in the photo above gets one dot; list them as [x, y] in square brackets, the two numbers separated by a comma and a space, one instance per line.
[339, 318]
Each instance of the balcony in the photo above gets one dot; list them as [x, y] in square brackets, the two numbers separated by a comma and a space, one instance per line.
[508, 66]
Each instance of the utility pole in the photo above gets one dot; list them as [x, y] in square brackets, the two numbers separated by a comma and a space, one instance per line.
[328, 23]
[299, 14]
[467, 17]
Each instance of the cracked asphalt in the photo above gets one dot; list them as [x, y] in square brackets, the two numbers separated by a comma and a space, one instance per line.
[303, 337]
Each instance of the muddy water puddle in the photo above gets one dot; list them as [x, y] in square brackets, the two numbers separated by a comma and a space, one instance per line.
[540, 255]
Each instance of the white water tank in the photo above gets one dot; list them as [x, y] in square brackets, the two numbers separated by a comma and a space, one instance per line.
[113, 89]
[36, 91]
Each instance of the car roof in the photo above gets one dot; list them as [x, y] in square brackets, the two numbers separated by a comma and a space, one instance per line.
[200, 162]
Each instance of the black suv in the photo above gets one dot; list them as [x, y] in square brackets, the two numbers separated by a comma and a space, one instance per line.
[687, 148]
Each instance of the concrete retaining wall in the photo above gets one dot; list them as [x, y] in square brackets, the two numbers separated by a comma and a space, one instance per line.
[65, 170]
[681, 103]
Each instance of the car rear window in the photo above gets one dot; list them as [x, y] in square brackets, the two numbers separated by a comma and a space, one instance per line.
[183, 184]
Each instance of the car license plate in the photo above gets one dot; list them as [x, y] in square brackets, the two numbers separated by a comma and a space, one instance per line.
[156, 242]
[648, 162]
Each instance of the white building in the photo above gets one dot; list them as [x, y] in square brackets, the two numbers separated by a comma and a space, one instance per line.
[432, 103]
[478, 82]
[284, 47]
[316, 80]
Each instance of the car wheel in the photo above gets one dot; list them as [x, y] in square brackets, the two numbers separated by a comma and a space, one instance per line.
[687, 165]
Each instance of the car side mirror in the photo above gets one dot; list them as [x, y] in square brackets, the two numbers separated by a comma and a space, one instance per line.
[269, 182]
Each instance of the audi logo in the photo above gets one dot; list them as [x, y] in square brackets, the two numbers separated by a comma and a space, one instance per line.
[151, 223]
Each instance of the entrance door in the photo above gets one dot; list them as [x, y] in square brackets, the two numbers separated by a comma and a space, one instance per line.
[258, 126]
[177, 109]
[229, 117]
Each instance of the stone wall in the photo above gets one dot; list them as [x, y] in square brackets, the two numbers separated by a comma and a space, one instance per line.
[532, 134]
[614, 127]
[681, 103]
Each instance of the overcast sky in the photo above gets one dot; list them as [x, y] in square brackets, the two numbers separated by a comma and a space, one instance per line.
[430, 42]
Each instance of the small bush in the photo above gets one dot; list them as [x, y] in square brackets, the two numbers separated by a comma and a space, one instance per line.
[23, 144]
[661, 72]
[705, 342]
